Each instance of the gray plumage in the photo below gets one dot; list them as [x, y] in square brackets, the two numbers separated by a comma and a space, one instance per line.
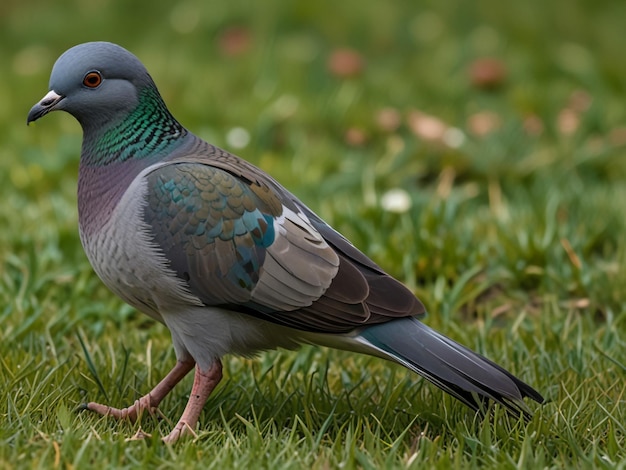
[223, 255]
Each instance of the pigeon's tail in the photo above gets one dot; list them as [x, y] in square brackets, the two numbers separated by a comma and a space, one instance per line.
[464, 374]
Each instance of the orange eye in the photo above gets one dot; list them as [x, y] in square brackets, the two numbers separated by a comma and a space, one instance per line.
[92, 79]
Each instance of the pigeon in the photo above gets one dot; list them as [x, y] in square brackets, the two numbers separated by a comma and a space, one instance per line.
[224, 256]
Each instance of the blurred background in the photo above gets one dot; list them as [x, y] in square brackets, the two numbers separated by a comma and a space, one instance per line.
[372, 112]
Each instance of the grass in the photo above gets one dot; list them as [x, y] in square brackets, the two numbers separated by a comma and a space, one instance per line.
[513, 236]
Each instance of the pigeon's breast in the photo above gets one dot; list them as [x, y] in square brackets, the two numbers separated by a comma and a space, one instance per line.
[121, 251]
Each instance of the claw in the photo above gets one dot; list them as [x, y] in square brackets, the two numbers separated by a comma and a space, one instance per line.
[82, 407]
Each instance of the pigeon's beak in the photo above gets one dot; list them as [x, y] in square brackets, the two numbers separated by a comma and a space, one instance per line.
[48, 103]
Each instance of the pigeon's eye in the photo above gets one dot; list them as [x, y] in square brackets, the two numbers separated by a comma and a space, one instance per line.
[92, 79]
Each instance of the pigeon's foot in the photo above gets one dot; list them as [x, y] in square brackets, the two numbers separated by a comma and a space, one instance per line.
[148, 402]
[131, 413]
[203, 384]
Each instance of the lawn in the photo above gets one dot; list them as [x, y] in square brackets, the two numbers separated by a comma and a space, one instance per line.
[475, 150]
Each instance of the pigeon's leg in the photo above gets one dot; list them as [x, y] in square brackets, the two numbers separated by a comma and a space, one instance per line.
[203, 384]
[150, 401]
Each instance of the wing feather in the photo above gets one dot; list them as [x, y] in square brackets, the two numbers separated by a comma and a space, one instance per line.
[230, 243]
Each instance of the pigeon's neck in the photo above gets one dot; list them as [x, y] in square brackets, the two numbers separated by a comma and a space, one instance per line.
[115, 153]
[148, 132]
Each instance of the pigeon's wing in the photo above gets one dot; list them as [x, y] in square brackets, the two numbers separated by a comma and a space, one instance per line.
[233, 242]
[240, 241]
[362, 289]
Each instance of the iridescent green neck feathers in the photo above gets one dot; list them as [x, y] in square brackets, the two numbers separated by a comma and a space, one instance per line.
[149, 131]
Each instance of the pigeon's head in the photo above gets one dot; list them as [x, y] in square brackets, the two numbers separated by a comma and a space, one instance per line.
[95, 82]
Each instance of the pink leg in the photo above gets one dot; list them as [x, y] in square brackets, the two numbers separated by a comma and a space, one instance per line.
[151, 400]
[203, 384]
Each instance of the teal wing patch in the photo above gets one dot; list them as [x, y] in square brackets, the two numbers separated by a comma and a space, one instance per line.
[213, 228]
